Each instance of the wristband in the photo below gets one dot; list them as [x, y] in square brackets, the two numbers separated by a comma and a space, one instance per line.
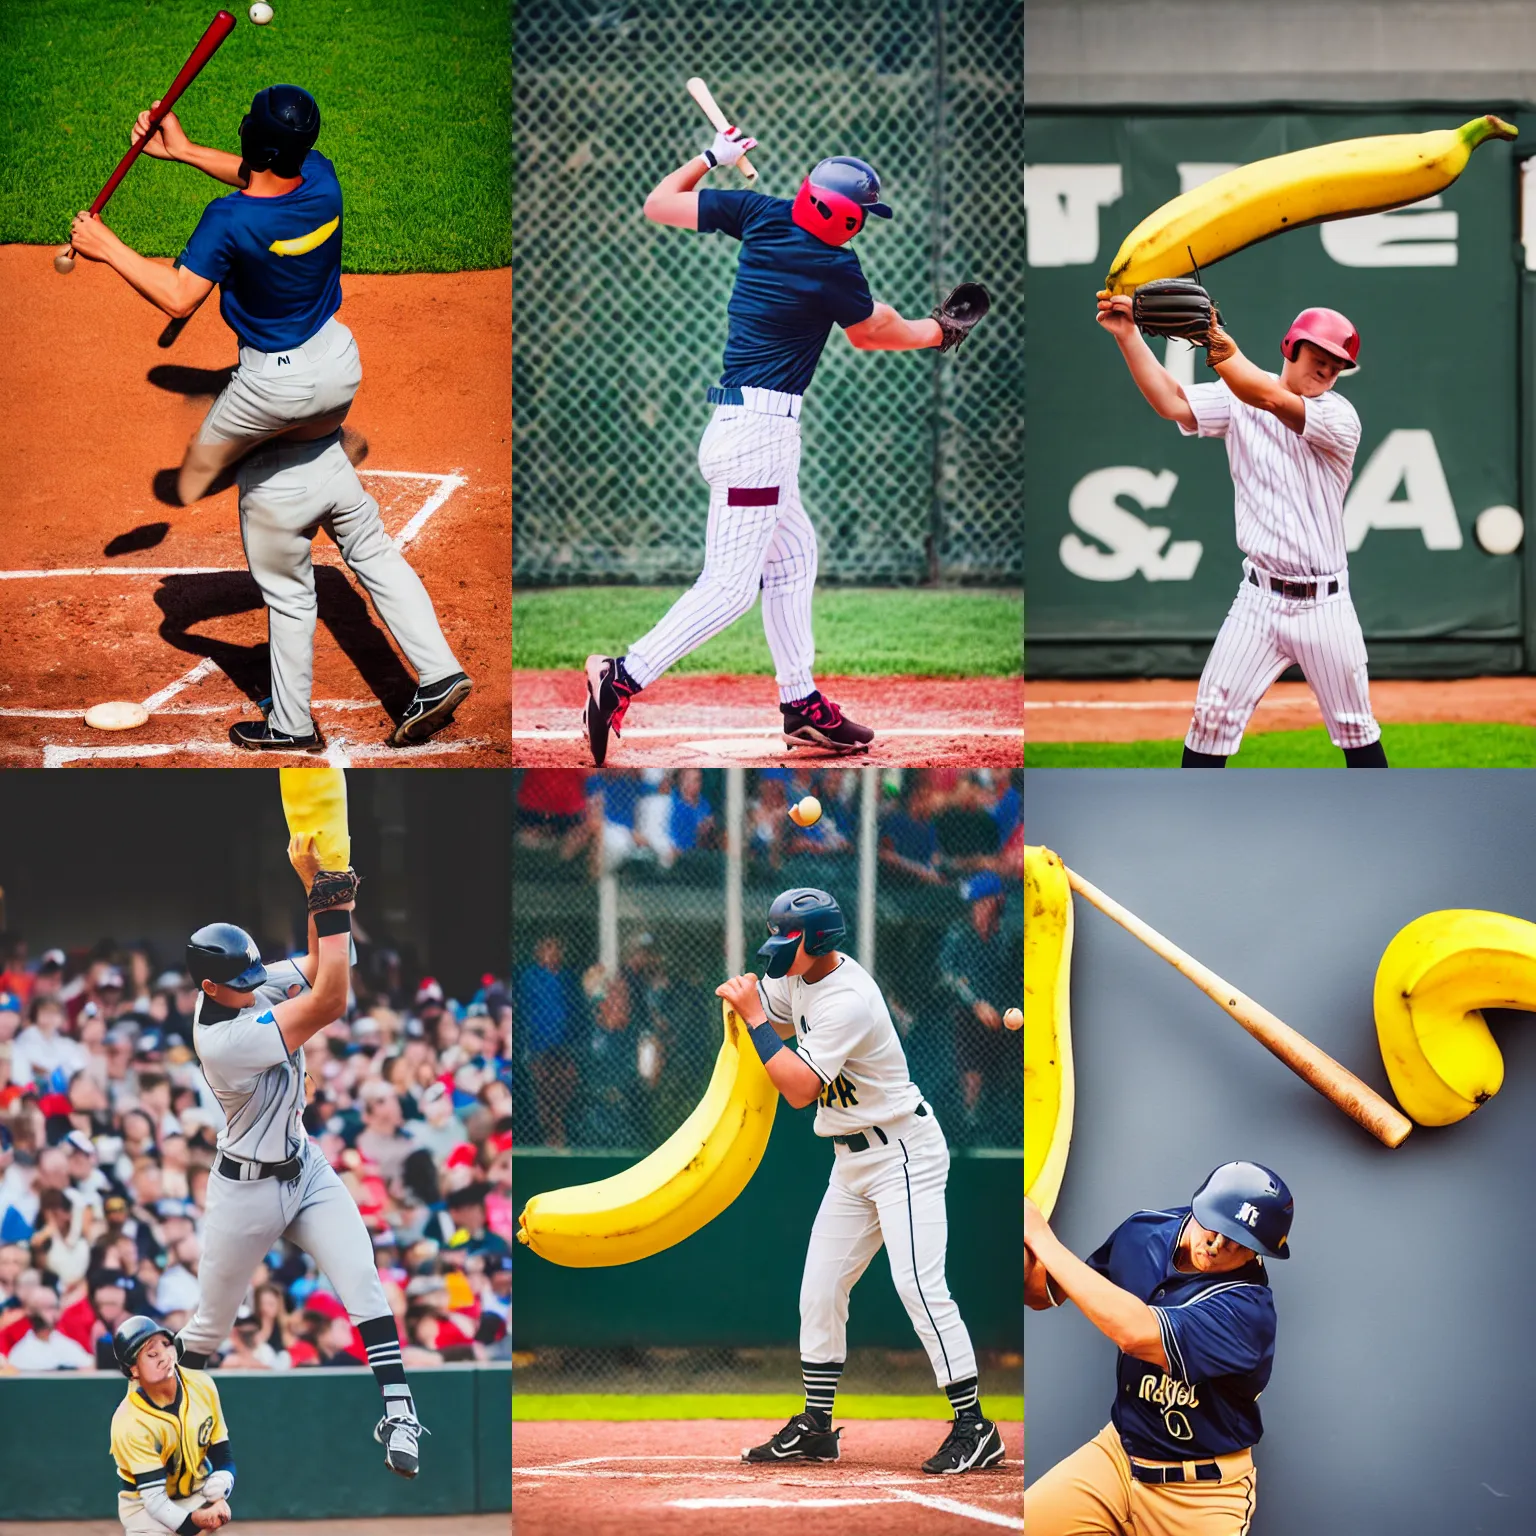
[766, 1038]
[332, 920]
[709, 155]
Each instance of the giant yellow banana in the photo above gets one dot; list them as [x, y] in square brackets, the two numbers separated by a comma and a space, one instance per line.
[687, 1181]
[1047, 1025]
[1330, 181]
[315, 800]
[1434, 979]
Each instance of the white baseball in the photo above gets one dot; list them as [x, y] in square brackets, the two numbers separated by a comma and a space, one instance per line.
[1013, 1018]
[806, 812]
[261, 13]
[1499, 530]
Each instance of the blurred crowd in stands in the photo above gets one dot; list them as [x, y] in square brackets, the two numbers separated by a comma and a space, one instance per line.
[107, 1136]
[601, 1051]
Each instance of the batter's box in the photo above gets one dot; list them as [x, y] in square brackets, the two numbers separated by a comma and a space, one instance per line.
[180, 634]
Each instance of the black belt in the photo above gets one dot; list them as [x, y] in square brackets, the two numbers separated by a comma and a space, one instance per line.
[1298, 589]
[859, 1142]
[1205, 1472]
[284, 1171]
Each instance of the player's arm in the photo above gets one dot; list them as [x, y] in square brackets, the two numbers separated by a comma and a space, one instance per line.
[301, 1017]
[886, 331]
[1253, 386]
[1158, 387]
[170, 142]
[174, 289]
[306, 865]
[792, 1077]
[1125, 1319]
[673, 201]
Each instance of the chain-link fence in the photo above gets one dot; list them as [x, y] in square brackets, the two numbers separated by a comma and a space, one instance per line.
[622, 928]
[913, 463]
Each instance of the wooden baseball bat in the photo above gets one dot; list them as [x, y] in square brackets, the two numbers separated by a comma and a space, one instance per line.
[207, 45]
[1312, 1064]
[701, 94]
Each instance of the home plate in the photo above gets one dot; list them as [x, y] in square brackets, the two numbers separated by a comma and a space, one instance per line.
[116, 715]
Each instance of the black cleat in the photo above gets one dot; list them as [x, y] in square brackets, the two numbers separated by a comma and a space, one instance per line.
[817, 722]
[799, 1440]
[608, 694]
[431, 710]
[972, 1444]
[400, 1433]
[258, 736]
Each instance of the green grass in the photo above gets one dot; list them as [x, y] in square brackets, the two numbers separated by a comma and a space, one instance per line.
[533, 1408]
[859, 632]
[415, 104]
[1407, 746]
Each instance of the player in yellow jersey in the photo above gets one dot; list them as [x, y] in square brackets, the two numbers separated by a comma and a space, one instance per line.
[169, 1439]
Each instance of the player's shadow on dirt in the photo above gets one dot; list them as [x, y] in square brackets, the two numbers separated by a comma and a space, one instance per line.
[180, 380]
[145, 536]
[187, 601]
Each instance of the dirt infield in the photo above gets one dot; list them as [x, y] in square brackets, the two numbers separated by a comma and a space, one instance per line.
[687, 721]
[1148, 709]
[109, 592]
[427, 1525]
[639, 1479]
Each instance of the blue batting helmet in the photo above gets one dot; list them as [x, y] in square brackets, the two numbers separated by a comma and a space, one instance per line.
[1249, 1204]
[226, 954]
[132, 1334]
[279, 130]
[801, 913]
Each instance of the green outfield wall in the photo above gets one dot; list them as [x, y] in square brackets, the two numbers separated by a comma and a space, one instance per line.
[1131, 561]
[303, 1444]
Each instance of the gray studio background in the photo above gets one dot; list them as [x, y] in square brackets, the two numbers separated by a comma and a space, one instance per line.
[1401, 1387]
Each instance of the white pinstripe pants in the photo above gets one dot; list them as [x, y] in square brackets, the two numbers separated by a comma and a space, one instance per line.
[1262, 635]
[758, 538]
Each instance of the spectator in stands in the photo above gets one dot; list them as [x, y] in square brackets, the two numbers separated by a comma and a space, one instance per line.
[550, 1014]
[383, 1140]
[247, 1351]
[608, 1073]
[61, 1240]
[439, 1128]
[552, 810]
[968, 833]
[44, 1348]
[13, 1263]
[693, 818]
[42, 1048]
[909, 844]
[768, 823]
[979, 968]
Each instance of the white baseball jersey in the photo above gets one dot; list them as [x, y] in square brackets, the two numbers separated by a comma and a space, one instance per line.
[845, 1035]
[258, 1083]
[1289, 487]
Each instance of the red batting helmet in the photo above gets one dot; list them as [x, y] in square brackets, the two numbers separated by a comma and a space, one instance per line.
[1326, 329]
[835, 198]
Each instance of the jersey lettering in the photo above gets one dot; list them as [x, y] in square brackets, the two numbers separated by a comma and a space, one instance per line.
[1168, 1393]
[840, 1089]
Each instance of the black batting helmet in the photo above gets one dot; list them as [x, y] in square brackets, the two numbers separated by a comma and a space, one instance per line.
[279, 130]
[133, 1333]
[801, 913]
[226, 954]
[1249, 1204]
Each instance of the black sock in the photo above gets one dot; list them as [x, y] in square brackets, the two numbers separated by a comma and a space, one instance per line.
[1373, 756]
[622, 681]
[382, 1341]
[820, 1390]
[1193, 759]
[190, 1358]
[965, 1398]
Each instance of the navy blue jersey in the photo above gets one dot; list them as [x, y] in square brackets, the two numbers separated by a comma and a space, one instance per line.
[1218, 1333]
[790, 290]
[277, 260]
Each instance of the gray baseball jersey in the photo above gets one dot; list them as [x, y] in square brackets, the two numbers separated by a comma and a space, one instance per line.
[845, 1035]
[259, 1084]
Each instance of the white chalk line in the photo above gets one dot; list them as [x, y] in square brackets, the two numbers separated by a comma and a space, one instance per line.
[338, 754]
[446, 486]
[184, 709]
[745, 732]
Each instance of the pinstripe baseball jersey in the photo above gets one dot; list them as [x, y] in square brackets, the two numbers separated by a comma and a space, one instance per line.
[1218, 1333]
[258, 1083]
[1289, 488]
[844, 1033]
[790, 290]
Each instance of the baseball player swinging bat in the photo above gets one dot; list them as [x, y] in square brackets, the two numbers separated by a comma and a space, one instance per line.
[1313, 1065]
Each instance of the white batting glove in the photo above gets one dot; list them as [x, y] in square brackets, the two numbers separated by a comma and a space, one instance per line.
[217, 1486]
[730, 144]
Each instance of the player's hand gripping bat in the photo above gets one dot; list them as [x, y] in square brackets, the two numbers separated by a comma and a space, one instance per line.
[701, 94]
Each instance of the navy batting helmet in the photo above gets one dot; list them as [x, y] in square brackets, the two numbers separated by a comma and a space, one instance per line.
[801, 913]
[133, 1333]
[279, 130]
[834, 200]
[1249, 1204]
[226, 954]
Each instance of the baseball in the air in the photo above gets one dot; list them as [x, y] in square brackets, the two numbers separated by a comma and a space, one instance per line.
[1499, 530]
[1013, 1018]
[261, 13]
[807, 812]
